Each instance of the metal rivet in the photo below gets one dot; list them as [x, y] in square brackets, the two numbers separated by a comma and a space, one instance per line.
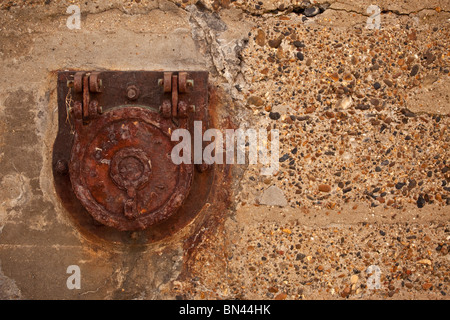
[61, 167]
[132, 92]
[202, 167]
[166, 109]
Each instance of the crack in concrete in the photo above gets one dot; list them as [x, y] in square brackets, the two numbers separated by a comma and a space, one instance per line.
[385, 11]
[162, 6]
[223, 56]
[299, 10]
[96, 290]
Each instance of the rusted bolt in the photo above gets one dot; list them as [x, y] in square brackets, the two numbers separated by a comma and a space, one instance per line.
[202, 167]
[95, 83]
[134, 235]
[166, 109]
[132, 92]
[167, 82]
[190, 83]
[69, 83]
[77, 110]
[61, 167]
[94, 108]
[182, 77]
[182, 109]
[78, 82]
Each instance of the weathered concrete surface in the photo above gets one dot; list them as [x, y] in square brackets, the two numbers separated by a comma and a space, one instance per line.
[305, 249]
[38, 241]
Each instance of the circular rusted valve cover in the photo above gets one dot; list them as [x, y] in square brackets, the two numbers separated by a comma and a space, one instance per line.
[121, 170]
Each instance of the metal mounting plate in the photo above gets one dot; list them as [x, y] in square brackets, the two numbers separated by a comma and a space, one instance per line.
[114, 165]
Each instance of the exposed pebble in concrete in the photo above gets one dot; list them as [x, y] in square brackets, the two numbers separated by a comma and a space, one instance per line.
[348, 115]
[311, 11]
[273, 196]
[363, 261]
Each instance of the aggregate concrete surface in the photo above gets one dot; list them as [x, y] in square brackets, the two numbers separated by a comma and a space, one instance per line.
[360, 205]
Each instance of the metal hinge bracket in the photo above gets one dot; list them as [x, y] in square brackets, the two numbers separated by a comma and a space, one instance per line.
[175, 84]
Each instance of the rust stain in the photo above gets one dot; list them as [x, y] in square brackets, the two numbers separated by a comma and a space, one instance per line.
[210, 223]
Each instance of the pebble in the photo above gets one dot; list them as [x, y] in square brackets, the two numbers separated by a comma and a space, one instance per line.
[412, 36]
[388, 82]
[399, 185]
[346, 292]
[275, 43]
[310, 110]
[324, 188]
[429, 57]
[260, 38]
[345, 103]
[346, 190]
[274, 115]
[427, 286]
[311, 11]
[255, 101]
[362, 107]
[425, 261]
[299, 44]
[408, 113]
[414, 70]
[273, 289]
[284, 157]
[374, 101]
[273, 196]
[420, 202]
[300, 256]
[281, 296]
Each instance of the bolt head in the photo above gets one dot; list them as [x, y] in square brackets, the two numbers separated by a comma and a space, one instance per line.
[183, 109]
[132, 92]
[61, 167]
[77, 110]
[166, 109]
[202, 167]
